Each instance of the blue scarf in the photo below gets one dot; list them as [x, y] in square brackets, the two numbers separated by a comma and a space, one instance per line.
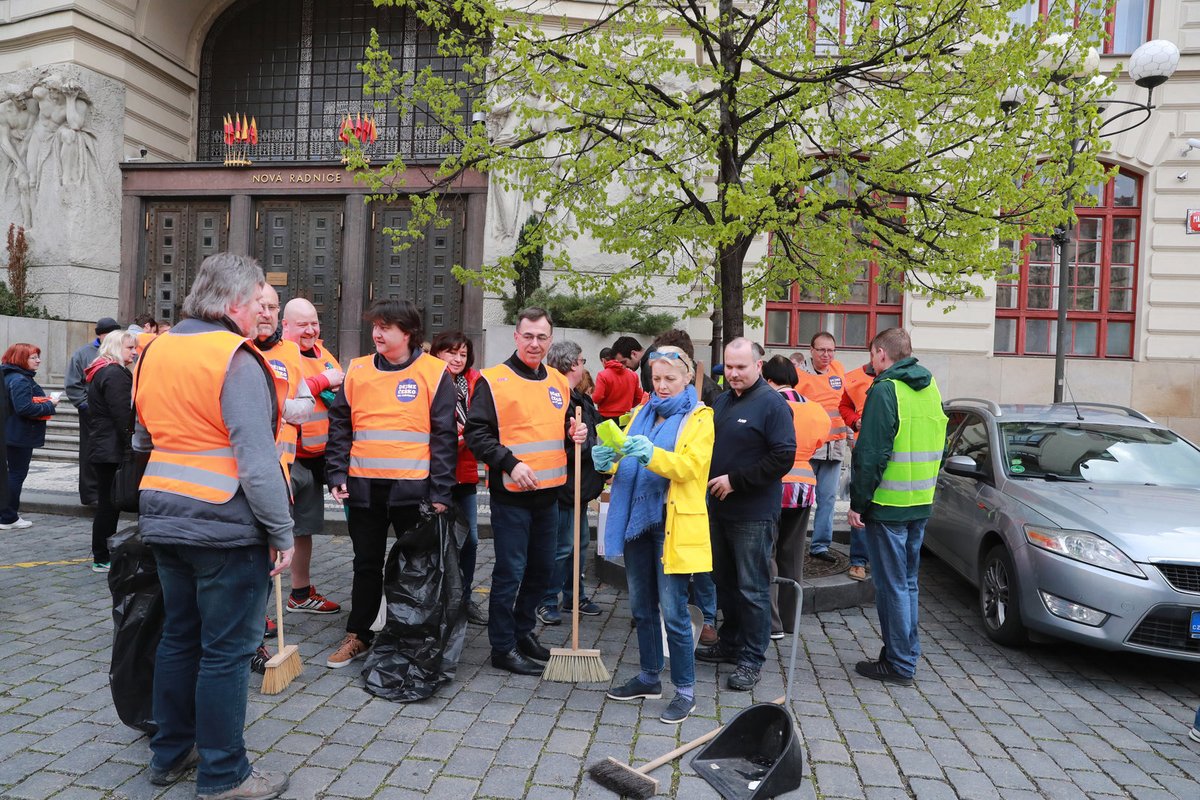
[639, 496]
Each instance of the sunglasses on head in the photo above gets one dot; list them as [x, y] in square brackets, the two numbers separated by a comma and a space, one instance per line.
[657, 354]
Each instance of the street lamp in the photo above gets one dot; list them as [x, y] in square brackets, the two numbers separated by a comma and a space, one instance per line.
[1149, 66]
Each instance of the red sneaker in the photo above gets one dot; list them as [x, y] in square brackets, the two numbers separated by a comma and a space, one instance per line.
[315, 604]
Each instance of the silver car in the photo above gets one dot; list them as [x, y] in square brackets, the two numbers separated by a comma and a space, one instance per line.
[1076, 521]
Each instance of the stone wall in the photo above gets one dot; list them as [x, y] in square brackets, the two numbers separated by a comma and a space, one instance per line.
[57, 338]
[61, 137]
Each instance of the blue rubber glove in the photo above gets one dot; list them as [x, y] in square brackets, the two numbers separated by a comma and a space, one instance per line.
[603, 457]
[639, 447]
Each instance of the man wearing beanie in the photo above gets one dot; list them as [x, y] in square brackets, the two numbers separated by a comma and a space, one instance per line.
[76, 388]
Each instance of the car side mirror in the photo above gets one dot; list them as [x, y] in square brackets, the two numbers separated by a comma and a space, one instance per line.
[963, 467]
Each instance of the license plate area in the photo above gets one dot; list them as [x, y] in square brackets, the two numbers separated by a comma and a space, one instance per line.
[1195, 627]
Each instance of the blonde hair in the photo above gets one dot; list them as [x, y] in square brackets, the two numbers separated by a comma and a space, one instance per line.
[689, 369]
[110, 346]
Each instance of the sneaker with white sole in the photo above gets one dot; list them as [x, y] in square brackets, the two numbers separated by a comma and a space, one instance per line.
[20, 524]
[635, 689]
[315, 603]
[259, 785]
[678, 710]
[351, 648]
[1194, 734]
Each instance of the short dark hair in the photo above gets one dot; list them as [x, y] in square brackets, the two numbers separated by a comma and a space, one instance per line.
[452, 340]
[780, 371]
[895, 342]
[675, 338]
[821, 335]
[533, 314]
[606, 353]
[625, 345]
[400, 313]
[141, 320]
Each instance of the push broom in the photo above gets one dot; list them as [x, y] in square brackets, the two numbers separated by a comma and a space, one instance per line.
[285, 665]
[575, 665]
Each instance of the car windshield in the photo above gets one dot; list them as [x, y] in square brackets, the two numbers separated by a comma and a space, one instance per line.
[1079, 451]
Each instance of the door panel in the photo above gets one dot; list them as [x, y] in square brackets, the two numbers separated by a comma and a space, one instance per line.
[420, 273]
[299, 244]
[179, 235]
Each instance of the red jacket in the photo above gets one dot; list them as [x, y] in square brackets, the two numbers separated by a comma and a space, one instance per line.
[467, 470]
[617, 389]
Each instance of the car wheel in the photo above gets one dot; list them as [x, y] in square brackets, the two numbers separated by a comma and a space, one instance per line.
[999, 600]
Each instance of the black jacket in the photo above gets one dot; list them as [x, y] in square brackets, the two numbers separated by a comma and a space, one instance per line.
[591, 483]
[109, 396]
[755, 446]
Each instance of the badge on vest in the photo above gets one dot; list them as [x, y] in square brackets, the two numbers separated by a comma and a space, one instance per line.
[556, 397]
[281, 370]
[407, 390]
[835, 382]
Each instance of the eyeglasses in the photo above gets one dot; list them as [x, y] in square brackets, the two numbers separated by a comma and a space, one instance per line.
[825, 351]
[530, 338]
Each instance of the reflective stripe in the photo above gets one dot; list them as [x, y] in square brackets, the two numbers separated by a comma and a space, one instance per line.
[798, 472]
[535, 447]
[282, 448]
[318, 416]
[312, 440]
[908, 486]
[412, 464]
[220, 452]
[540, 474]
[839, 430]
[194, 475]
[391, 436]
[917, 457]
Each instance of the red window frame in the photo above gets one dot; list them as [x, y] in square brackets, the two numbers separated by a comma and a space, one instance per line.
[1110, 23]
[1114, 231]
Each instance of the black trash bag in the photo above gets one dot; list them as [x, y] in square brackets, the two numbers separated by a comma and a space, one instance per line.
[418, 649]
[137, 626]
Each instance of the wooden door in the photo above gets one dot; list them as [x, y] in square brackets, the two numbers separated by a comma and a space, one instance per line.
[179, 235]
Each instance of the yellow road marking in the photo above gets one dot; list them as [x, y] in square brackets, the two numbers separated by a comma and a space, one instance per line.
[28, 564]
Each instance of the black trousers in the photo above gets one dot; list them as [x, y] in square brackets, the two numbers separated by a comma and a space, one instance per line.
[369, 534]
[104, 524]
[88, 480]
[788, 563]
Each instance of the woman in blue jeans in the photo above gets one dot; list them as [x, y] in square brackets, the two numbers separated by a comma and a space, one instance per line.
[658, 517]
[25, 428]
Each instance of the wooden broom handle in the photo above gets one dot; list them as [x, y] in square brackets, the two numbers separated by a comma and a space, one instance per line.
[666, 758]
[279, 610]
[575, 549]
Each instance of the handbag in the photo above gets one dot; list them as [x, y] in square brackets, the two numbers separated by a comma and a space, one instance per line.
[126, 495]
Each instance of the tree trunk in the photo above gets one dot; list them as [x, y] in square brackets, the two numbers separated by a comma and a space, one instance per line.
[731, 259]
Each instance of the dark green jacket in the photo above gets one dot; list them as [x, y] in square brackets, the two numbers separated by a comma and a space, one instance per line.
[880, 422]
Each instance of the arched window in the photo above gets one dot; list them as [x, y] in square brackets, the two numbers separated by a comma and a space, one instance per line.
[1102, 295]
[292, 65]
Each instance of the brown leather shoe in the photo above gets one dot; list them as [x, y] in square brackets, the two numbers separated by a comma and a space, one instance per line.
[708, 636]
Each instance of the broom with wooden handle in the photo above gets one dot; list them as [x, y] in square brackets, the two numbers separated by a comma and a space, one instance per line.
[285, 665]
[575, 665]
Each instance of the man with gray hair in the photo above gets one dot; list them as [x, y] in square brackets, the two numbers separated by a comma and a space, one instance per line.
[214, 509]
[567, 358]
[755, 446]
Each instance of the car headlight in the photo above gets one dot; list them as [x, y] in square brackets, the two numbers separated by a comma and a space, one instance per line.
[1082, 546]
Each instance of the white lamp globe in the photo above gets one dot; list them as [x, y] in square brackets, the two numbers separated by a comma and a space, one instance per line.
[1154, 62]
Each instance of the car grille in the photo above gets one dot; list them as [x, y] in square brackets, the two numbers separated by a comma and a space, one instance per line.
[1182, 578]
[1167, 628]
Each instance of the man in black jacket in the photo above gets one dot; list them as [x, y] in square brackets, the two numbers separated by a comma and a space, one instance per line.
[755, 446]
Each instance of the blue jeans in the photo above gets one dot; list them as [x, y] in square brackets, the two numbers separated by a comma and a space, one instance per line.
[652, 592]
[524, 541]
[704, 596]
[895, 552]
[827, 473]
[741, 554]
[563, 558]
[215, 601]
[858, 547]
[468, 516]
[18, 470]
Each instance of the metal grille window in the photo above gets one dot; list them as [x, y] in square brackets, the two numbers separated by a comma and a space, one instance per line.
[292, 64]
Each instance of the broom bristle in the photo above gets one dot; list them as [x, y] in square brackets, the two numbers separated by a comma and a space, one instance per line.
[575, 666]
[281, 670]
[623, 779]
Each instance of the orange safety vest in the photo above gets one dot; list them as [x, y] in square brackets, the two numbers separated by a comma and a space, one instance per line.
[826, 389]
[181, 408]
[812, 430]
[389, 417]
[144, 339]
[314, 434]
[857, 383]
[530, 415]
[288, 367]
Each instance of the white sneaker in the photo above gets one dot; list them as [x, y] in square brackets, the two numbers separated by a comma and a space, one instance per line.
[1194, 734]
[18, 525]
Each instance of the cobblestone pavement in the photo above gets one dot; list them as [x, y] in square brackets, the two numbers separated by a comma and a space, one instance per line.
[982, 722]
